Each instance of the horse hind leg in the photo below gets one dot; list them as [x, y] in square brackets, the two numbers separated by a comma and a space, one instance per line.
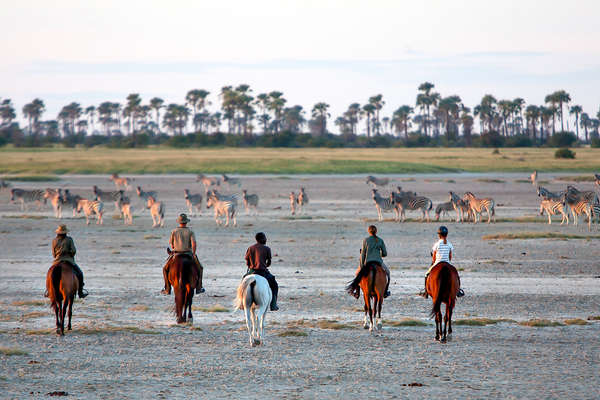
[444, 330]
[71, 299]
[62, 319]
[379, 306]
[57, 310]
[248, 321]
[366, 320]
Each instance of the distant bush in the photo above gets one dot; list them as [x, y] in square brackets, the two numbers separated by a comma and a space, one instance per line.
[596, 143]
[564, 153]
[562, 139]
[518, 141]
[491, 139]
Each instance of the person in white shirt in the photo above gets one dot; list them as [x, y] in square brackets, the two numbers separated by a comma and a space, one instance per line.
[440, 252]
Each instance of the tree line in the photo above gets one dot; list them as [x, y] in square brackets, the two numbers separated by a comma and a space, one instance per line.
[242, 118]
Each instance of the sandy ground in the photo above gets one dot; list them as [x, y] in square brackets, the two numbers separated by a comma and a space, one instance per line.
[124, 342]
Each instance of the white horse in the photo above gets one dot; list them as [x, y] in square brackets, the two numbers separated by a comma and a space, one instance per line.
[254, 296]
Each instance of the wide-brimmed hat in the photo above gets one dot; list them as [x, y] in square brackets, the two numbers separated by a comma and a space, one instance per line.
[183, 219]
[62, 229]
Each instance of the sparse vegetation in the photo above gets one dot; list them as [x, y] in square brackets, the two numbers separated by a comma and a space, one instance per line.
[139, 307]
[292, 333]
[575, 321]
[216, 308]
[12, 351]
[481, 321]
[537, 235]
[150, 237]
[333, 324]
[540, 323]
[564, 153]
[28, 303]
[31, 178]
[578, 178]
[25, 216]
[593, 318]
[404, 322]
[489, 180]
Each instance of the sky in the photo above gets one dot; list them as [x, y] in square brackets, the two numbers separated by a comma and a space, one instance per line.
[338, 52]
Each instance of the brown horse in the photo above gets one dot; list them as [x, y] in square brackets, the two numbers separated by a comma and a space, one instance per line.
[62, 285]
[183, 278]
[442, 285]
[372, 283]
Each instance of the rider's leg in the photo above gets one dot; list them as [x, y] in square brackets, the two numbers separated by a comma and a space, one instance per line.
[274, 290]
[200, 270]
[387, 286]
[167, 289]
[79, 274]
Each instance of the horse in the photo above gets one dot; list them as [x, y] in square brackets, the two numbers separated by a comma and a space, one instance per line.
[442, 285]
[183, 278]
[254, 296]
[372, 280]
[62, 285]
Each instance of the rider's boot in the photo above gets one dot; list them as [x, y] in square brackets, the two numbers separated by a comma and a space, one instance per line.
[387, 288]
[424, 291]
[460, 293]
[274, 303]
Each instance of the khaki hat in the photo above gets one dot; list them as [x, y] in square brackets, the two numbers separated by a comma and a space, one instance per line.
[183, 219]
[62, 229]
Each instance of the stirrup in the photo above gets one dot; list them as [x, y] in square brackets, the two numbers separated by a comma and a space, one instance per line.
[165, 291]
[424, 294]
[83, 293]
[460, 293]
[274, 307]
[201, 290]
[386, 294]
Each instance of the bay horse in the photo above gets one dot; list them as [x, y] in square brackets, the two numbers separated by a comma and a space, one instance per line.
[62, 285]
[183, 278]
[254, 297]
[372, 281]
[443, 284]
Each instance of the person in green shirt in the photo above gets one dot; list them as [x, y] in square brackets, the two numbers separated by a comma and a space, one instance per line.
[373, 250]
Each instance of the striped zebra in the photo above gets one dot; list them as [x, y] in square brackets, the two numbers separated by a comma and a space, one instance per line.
[27, 196]
[293, 201]
[157, 211]
[108, 195]
[302, 199]
[578, 206]
[231, 181]
[193, 200]
[477, 206]
[555, 207]
[71, 199]
[533, 178]
[383, 204]
[411, 201]
[145, 195]
[223, 197]
[377, 181]
[548, 195]
[89, 208]
[250, 200]
[597, 179]
[208, 181]
[224, 208]
[126, 210]
[463, 212]
[56, 199]
[443, 208]
[588, 195]
[4, 184]
[118, 181]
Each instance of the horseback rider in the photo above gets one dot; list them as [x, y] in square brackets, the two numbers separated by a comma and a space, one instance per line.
[373, 249]
[258, 260]
[63, 249]
[440, 252]
[183, 241]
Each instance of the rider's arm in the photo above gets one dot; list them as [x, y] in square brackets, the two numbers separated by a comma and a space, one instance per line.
[54, 248]
[268, 260]
[383, 249]
[247, 258]
[72, 248]
[193, 239]
[450, 255]
[363, 253]
[171, 241]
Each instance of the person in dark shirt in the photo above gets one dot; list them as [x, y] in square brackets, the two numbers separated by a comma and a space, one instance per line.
[63, 249]
[258, 260]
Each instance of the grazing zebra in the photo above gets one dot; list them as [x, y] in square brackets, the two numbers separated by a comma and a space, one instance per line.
[597, 178]
[477, 206]
[126, 210]
[118, 181]
[410, 201]
[555, 207]
[302, 199]
[27, 196]
[69, 198]
[443, 208]
[193, 200]
[588, 195]
[56, 199]
[208, 181]
[460, 206]
[250, 200]
[578, 206]
[224, 208]
[4, 184]
[89, 208]
[293, 203]
[231, 181]
[548, 195]
[377, 181]
[157, 211]
[106, 195]
[383, 204]
[533, 178]
[224, 197]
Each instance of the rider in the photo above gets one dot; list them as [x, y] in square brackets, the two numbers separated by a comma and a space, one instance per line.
[183, 241]
[373, 249]
[440, 252]
[258, 260]
[63, 249]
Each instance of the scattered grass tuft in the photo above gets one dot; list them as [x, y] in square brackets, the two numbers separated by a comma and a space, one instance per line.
[39, 332]
[575, 321]
[537, 235]
[12, 351]
[405, 322]
[332, 324]
[593, 318]
[289, 333]
[578, 178]
[148, 237]
[215, 308]
[481, 321]
[139, 307]
[28, 303]
[540, 323]
[32, 178]
[114, 329]
[25, 216]
[489, 180]
[34, 314]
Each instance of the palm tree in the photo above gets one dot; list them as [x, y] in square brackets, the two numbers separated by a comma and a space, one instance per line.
[562, 97]
[377, 102]
[449, 108]
[518, 104]
[576, 109]
[263, 101]
[401, 119]
[369, 110]
[320, 114]
[293, 118]
[7, 112]
[486, 110]
[90, 111]
[585, 122]
[426, 100]
[244, 104]
[506, 110]
[546, 114]
[353, 115]
[131, 110]
[197, 99]
[276, 104]
[552, 99]
[33, 111]
[532, 113]
[467, 122]
[156, 103]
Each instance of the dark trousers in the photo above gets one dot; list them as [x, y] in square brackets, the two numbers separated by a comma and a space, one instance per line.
[268, 276]
[79, 274]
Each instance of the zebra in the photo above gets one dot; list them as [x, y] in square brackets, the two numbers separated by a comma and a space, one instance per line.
[208, 181]
[118, 181]
[4, 184]
[460, 206]
[250, 200]
[114, 195]
[222, 208]
[27, 196]
[377, 181]
[383, 204]
[588, 195]
[126, 210]
[533, 178]
[293, 203]
[145, 195]
[89, 208]
[224, 197]
[555, 207]
[157, 211]
[71, 199]
[231, 181]
[193, 200]
[56, 199]
[477, 206]
[597, 179]
[302, 199]
[410, 201]
[548, 195]
[578, 207]
[443, 208]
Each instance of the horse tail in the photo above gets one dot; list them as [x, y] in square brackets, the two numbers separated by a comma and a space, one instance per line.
[443, 276]
[53, 284]
[352, 286]
[238, 303]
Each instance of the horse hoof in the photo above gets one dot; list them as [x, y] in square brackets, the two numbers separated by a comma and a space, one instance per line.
[365, 326]
[257, 342]
[379, 326]
[443, 340]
